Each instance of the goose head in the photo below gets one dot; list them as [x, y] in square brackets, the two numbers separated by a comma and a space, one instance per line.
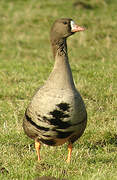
[63, 28]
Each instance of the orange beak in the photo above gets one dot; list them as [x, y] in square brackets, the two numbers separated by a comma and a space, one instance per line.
[77, 28]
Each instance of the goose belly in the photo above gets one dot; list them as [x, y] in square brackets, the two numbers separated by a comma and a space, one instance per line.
[54, 119]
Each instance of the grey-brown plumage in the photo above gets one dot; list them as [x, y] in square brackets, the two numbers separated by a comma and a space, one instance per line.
[56, 113]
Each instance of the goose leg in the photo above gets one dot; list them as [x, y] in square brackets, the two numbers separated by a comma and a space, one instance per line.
[69, 152]
[37, 147]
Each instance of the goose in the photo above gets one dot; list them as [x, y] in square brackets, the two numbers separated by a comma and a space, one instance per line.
[57, 114]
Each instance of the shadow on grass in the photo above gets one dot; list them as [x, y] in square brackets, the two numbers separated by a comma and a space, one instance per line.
[47, 178]
[107, 139]
[82, 5]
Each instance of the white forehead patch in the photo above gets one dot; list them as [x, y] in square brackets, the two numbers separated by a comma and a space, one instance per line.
[72, 25]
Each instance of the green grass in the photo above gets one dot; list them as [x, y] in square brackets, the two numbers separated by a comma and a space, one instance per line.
[25, 63]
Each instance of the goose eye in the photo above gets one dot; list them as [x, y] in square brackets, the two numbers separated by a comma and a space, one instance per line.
[64, 22]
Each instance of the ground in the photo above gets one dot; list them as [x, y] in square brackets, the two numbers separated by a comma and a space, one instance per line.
[26, 61]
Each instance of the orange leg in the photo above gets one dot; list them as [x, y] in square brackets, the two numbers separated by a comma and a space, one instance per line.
[69, 152]
[37, 147]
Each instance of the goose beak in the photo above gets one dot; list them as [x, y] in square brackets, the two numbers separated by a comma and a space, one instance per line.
[77, 28]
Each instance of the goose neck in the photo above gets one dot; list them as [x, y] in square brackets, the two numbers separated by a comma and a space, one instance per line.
[61, 75]
[59, 47]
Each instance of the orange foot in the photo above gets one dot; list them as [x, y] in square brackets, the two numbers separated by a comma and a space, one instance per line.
[69, 152]
[37, 147]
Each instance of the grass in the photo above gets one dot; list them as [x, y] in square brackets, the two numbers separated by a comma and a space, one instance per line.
[25, 63]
